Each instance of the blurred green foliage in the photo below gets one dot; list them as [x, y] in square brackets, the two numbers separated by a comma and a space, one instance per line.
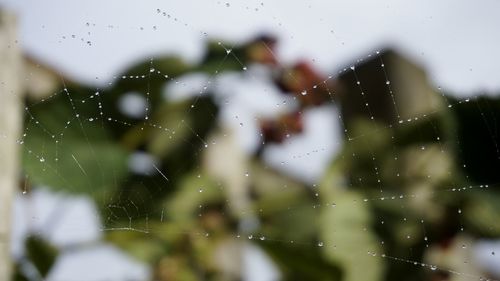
[182, 219]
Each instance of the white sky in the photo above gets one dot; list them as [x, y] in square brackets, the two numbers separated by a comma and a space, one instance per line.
[457, 41]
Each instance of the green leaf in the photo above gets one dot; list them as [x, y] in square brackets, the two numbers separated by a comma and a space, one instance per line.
[302, 263]
[41, 254]
[346, 230]
[193, 191]
[76, 166]
[481, 213]
[143, 246]
[67, 145]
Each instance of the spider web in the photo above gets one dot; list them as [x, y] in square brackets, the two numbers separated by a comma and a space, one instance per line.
[377, 174]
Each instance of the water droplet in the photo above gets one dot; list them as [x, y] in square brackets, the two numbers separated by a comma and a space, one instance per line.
[433, 267]
[387, 82]
[320, 244]
[42, 159]
[304, 92]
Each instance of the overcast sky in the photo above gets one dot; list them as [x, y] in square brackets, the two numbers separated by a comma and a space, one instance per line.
[457, 41]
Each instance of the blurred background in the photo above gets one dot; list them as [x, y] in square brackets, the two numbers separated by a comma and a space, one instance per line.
[249, 140]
